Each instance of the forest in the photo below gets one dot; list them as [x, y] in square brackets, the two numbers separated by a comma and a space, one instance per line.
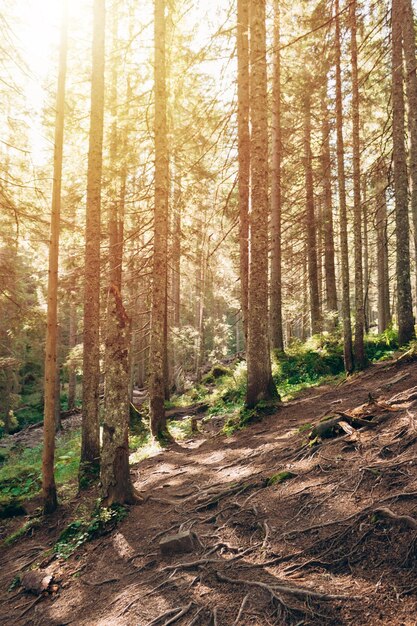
[208, 301]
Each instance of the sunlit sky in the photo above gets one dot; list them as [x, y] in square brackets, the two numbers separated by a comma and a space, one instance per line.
[37, 36]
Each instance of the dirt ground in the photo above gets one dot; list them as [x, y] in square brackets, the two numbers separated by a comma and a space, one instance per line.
[336, 543]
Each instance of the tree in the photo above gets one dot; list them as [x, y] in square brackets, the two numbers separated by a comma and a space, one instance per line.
[359, 348]
[50, 501]
[341, 180]
[404, 300]
[90, 437]
[310, 219]
[158, 342]
[277, 339]
[243, 151]
[260, 386]
[409, 45]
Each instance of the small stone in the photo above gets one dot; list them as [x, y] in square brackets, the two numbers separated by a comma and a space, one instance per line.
[175, 544]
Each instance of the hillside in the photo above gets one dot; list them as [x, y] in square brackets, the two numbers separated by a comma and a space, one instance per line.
[288, 533]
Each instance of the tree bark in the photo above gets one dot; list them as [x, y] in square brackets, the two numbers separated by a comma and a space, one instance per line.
[329, 253]
[277, 339]
[90, 436]
[359, 348]
[116, 484]
[384, 314]
[409, 45]
[49, 494]
[260, 385]
[243, 151]
[344, 248]
[404, 300]
[158, 344]
[310, 221]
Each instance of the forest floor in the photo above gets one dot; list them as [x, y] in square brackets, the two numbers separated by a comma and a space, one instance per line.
[288, 533]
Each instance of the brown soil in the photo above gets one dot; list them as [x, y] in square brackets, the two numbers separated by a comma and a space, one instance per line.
[336, 544]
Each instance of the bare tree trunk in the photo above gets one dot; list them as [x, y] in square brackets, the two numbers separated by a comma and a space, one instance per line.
[344, 250]
[158, 343]
[404, 299]
[116, 484]
[90, 437]
[359, 348]
[49, 495]
[72, 377]
[329, 254]
[384, 314]
[243, 151]
[409, 44]
[366, 259]
[277, 339]
[261, 386]
[310, 222]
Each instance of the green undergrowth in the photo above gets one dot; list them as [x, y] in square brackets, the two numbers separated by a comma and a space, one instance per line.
[315, 362]
[102, 521]
[20, 475]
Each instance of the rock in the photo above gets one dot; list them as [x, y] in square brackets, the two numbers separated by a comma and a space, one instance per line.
[176, 544]
[36, 581]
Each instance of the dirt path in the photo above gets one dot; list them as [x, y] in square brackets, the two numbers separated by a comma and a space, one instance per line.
[319, 548]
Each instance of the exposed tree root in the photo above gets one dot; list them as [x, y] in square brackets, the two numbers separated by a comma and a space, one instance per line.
[278, 588]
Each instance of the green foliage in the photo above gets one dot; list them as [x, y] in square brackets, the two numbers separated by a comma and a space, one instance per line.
[305, 427]
[102, 521]
[280, 477]
[383, 346]
[216, 373]
[20, 474]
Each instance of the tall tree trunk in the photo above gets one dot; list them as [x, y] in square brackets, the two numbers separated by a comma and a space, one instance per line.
[90, 437]
[116, 484]
[404, 299]
[158, 342]
[359, 348]
[243, 151]
[409, 44]
[310, 221]
[277, 339]
[344, 249]
[176, 256]
[329, 254]
[384, 314]
[366, 258]
[49, 495]
[260, 382]
[72, 341]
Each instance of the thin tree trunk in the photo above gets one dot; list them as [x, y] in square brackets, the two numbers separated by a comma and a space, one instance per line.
[359, 348]
[404, 299]
[409, 44]
[329, 253]
[243, 151]
[277, 339]
[344, 250]
[384, 315]
[366, 260]
[158, 342]
[310, 222]
[90, 437]
[49, 495]
[72, 377]
[260, 386]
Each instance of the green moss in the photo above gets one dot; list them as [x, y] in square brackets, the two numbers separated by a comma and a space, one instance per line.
[23, 530]
[305, 427]
[279, 478]
[102, 521]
